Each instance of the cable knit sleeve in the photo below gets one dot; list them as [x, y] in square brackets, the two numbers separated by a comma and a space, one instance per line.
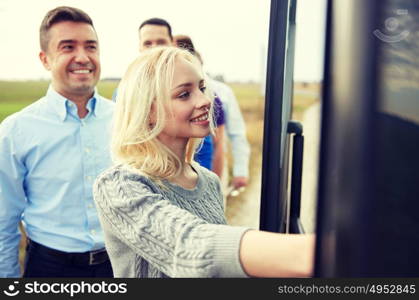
[170, 238]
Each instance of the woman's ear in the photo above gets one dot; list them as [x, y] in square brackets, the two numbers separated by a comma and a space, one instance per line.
[153, 115]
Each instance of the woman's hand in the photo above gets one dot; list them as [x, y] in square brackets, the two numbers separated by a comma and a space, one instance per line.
[267, 254]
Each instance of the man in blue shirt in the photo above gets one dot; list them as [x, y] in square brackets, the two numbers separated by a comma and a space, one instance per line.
[51, 152]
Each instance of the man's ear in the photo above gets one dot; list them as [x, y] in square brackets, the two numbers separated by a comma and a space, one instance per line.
[44, 60]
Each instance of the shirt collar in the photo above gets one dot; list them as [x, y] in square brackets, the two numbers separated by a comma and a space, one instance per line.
[61, 105]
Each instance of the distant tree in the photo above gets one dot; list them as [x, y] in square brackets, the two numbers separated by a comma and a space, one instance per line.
[219, 77]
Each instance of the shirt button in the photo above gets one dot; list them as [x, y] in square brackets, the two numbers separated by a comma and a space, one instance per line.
[90, 205]
[87, 150]
[93, 231]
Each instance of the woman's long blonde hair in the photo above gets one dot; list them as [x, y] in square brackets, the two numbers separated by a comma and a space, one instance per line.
[145, 90]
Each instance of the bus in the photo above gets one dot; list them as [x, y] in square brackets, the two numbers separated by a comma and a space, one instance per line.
[367, 217]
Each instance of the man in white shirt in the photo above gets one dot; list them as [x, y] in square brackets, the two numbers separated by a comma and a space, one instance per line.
[236, 132]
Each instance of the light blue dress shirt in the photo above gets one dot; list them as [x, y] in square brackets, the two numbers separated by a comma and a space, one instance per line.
[49, 159]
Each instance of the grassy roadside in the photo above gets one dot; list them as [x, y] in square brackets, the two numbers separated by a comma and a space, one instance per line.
[252, 104]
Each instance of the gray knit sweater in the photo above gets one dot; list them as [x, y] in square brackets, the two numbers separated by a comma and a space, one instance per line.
[166, 232]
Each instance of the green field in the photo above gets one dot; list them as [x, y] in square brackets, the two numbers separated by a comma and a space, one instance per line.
[15, 95]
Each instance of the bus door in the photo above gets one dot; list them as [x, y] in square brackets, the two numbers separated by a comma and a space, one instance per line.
[280, 207]
[368, 200]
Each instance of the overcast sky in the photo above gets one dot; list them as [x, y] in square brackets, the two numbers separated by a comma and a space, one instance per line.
[232, 35]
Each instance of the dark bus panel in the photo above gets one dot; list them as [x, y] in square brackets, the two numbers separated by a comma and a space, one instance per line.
[368, 210]
[368, 180]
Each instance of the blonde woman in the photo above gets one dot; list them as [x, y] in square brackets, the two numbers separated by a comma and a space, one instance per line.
[161, 212]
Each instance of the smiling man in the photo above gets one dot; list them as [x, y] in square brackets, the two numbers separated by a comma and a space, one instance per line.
[51, 152]
[70, 51]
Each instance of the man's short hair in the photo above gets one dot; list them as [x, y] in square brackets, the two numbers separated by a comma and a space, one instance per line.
[57, 15]
[159, 22]
[185, 42]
